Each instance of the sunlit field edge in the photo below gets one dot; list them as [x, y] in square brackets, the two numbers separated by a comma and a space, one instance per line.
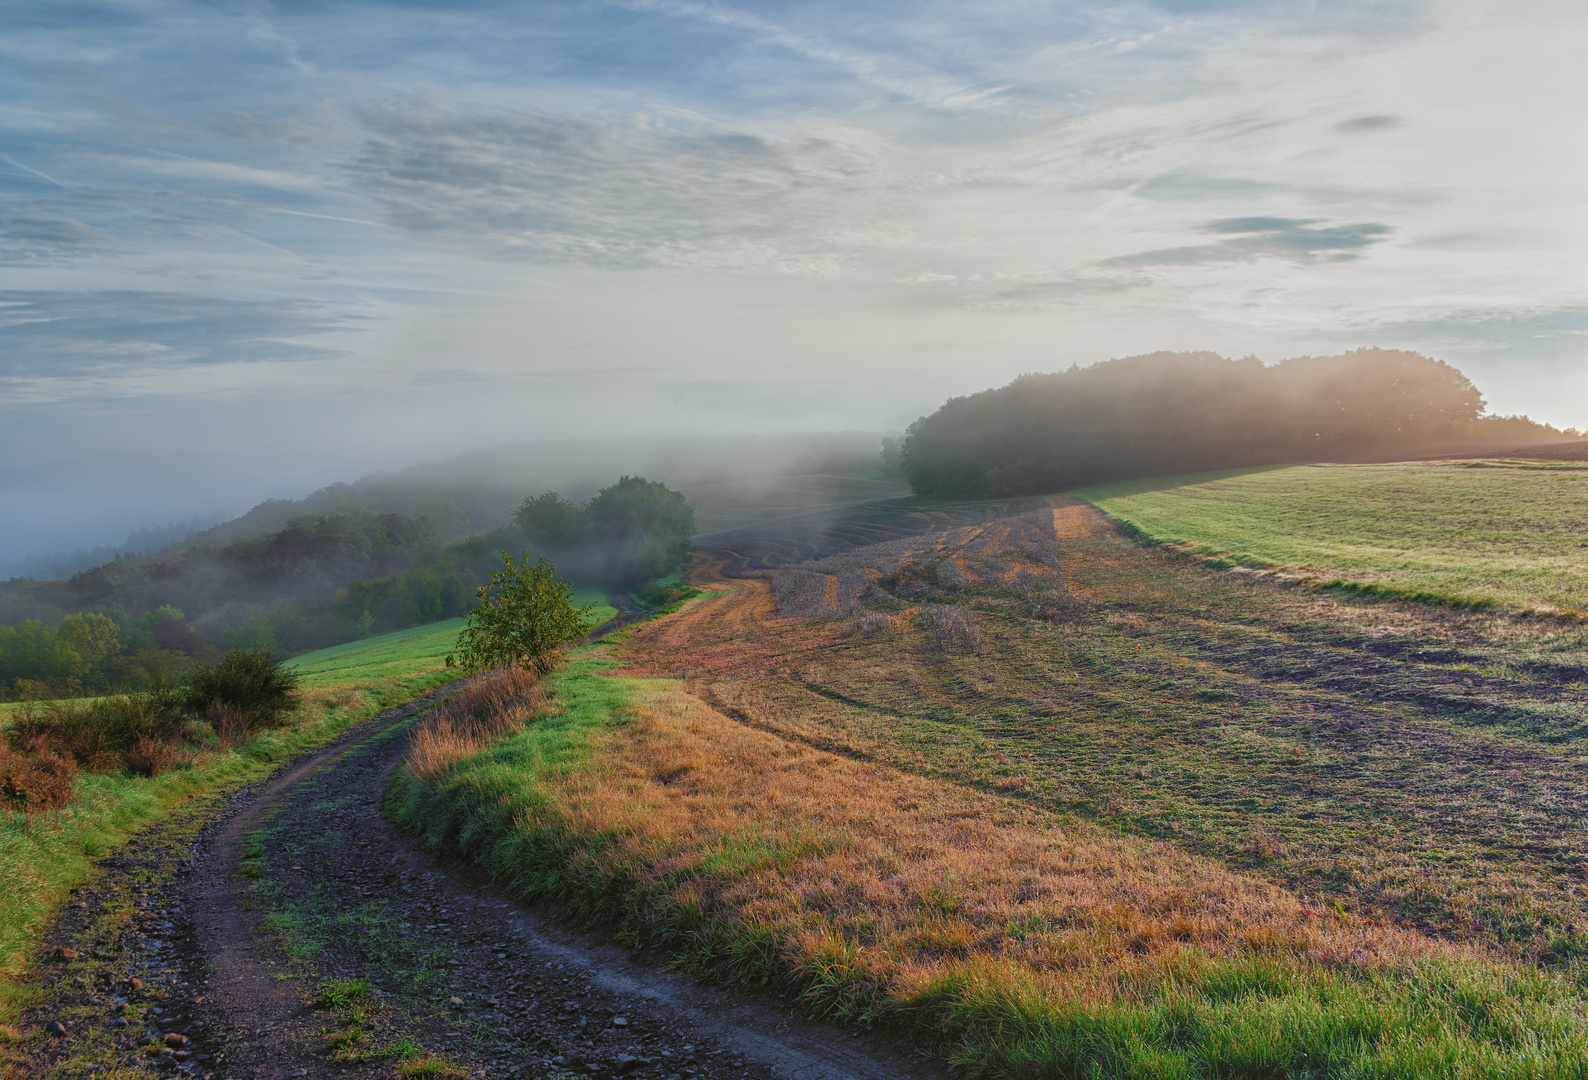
[1500, 532]
[632, 805]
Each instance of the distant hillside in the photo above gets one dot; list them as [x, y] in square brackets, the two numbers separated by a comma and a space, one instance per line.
[220, 586]
[479, 491]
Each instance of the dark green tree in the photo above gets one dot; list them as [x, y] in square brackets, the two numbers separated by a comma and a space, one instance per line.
[551, 523]
[1167, 413]
[646, 529]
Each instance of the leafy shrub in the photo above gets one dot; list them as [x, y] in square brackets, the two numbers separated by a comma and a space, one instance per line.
[526, 616]
[250, 682]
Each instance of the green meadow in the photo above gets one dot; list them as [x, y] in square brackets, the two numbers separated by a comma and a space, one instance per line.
[1505, 532]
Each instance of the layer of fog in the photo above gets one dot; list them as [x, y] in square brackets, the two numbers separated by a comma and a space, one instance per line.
[69, 515]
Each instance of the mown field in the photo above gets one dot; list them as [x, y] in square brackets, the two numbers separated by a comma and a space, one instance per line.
[1510, 532]
[1073, 805]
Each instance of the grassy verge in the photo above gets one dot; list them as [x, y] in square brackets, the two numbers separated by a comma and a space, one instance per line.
[1028, 944]
[1446, 533]
[43, 860]
[665, 595]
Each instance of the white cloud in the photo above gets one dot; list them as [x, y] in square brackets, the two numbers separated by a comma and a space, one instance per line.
[626, 192]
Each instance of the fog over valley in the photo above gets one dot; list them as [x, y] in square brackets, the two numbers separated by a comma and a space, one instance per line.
[246, 252]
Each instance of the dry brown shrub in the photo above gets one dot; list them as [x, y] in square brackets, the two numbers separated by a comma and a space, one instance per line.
[486, 709]
[35, 778]
[869, 623]
[231, 726]
[97, 734]
[953, 628]
[151, 757]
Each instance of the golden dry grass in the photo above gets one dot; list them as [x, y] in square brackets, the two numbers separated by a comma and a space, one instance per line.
[1150, 822]
[910, 877]
[1025, 943]
[479, 714]
[1236, 720]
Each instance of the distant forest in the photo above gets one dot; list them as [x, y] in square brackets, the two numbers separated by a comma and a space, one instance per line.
[321, 580]
[1167, 413]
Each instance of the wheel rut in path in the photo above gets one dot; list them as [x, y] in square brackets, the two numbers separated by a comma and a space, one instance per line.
[301, 882]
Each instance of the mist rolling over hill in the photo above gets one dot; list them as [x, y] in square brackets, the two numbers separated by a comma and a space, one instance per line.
[84, 505]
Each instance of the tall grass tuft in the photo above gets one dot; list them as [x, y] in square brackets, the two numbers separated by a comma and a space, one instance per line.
[469, 721]
[953, 628]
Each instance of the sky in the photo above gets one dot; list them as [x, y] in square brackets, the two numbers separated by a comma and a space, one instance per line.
[260, 247]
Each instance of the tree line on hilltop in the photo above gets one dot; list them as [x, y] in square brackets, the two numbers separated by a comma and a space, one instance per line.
[1166, 413]
[321, 580]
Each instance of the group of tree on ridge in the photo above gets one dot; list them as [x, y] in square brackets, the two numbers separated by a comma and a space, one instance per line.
[322, 580]
[1166, 413]
[635, 531]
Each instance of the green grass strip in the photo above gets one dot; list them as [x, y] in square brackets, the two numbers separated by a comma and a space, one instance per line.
[1442, 533]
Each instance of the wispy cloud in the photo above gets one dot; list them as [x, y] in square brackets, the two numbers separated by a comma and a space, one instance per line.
[25, 238]
[625, 192]
[1370, 123]
[477, 216]
[69, 335]
[1300, 240]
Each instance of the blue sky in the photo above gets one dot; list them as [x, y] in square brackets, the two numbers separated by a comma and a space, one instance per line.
[319, 238]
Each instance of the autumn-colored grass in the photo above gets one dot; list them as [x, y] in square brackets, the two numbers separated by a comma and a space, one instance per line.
[1415, 764]
[1036, 942]
[1133, 817]
[479, 714]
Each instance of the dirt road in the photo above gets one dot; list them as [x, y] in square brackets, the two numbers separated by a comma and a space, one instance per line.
[201, 950]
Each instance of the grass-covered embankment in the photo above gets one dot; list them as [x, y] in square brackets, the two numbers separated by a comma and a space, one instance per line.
[1025, 943]
[1463, 534]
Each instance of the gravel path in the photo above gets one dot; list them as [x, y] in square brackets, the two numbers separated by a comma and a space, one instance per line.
[298, 883]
